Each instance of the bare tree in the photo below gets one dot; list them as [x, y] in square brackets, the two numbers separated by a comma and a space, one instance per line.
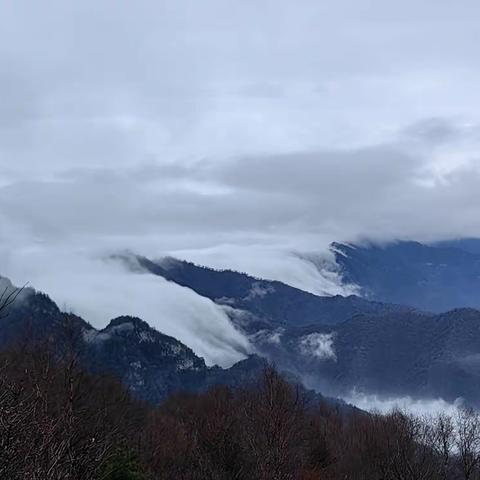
[468, 442]
[8, 296]
[443, 440]
[274, 427]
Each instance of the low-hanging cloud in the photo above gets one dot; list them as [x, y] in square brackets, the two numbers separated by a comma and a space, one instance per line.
[318, 345]
[416, 406]
[99, 289]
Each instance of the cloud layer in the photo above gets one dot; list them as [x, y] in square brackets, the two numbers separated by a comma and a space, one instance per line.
[426, 407]
[234, 133]
[99, 289]
[318, 345]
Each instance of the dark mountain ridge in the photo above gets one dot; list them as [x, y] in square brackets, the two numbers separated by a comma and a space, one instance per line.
[437, 277]
[401, 354]
[334, 344]
[151, 364]
[375, 347]
[270, 303]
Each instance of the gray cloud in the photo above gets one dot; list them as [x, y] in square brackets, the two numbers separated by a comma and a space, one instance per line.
[339, 194]
[318, 345]
[84, 282]
[421, 407]
[232, 133]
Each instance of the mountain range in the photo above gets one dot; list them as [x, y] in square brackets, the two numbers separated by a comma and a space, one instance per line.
[401, 337]
[151, 364]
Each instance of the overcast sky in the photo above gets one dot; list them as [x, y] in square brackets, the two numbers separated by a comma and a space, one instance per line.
[233, 132]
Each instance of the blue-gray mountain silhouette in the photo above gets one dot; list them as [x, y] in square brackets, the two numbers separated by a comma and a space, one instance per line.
[434, 278]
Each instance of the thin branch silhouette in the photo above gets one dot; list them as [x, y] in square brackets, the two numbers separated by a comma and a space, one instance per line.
[8, 298]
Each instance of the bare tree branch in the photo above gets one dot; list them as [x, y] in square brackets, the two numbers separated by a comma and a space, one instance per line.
[8, 298]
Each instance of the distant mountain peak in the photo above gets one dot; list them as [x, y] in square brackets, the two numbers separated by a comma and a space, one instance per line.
[126, 320]
[436, 277]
